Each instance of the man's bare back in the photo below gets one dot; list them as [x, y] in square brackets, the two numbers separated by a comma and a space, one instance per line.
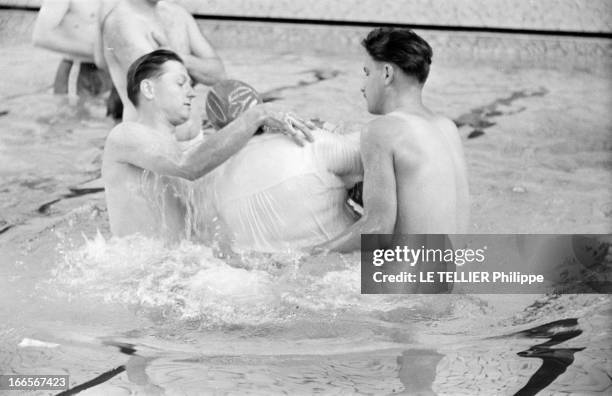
[415, 179]
[430, 172]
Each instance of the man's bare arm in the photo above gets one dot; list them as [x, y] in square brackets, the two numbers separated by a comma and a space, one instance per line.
[140, 146]
[203, 63]
[48, 34]
[379, 191]
[341, 156]
[124, 40]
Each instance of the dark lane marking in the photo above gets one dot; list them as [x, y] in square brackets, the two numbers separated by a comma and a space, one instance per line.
[5, 228]
[318, 74]
[75, 192]
[128, 349]
[45, 207]
[555, 361]
[480, 118]
[96, 381]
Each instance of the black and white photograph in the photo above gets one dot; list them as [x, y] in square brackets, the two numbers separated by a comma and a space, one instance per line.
[271, 197]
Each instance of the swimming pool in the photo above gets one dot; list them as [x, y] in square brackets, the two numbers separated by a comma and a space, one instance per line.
[153, 320]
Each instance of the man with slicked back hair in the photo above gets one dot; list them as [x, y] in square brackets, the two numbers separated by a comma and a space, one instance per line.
[131, 28]
[142, 159]
[415, 179]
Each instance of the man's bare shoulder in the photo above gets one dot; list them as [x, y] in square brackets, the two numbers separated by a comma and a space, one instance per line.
[174, 10]
[445, 123]
[114, 12]
[118, 20]
[385, 131]
[127, 133]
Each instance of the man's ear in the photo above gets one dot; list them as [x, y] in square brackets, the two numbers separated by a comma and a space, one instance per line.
[146, 88]
[388, 73]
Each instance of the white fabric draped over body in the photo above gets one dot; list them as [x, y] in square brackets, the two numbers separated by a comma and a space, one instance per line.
[274, 195]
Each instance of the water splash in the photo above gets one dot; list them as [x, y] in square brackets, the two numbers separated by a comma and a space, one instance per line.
[188, 282]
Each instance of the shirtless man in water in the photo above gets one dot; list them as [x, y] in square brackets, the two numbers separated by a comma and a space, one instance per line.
[415, 179]
[142, 158]
[70, 28]
[131, 28]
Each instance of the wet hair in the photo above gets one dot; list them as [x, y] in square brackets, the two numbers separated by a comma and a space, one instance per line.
[400, 46]
[227, 99]
[147, 66]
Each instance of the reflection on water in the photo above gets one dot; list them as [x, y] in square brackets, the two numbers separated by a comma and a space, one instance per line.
[417, 370]
[414, 371]
[277, 323]
[297, 325]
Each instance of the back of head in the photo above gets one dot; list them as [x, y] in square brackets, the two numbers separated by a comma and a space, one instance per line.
[147, 66]
[402, 47]
[227, 100]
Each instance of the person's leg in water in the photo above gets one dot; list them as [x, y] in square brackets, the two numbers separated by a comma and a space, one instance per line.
[114, 106]
[60, 84]
[92, 81]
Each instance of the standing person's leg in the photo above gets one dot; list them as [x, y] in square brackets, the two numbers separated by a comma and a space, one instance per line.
[60, 85]
[114, 106]
[92, 80]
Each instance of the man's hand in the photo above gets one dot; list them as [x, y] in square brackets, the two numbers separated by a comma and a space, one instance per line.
[289, 124]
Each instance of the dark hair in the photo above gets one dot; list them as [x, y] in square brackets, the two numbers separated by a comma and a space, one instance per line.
[148, 65]
[400, 46]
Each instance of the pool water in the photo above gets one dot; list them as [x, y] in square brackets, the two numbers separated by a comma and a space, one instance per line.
[137, 317]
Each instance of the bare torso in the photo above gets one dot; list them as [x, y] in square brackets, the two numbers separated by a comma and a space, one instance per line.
[141, 201]
[74, 32]
[80, 23]
[128, 34]
[430, 174]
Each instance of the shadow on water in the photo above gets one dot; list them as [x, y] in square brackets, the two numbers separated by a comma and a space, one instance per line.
[555, 361]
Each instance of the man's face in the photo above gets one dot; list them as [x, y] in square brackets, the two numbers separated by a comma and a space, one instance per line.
[173, 92]
[373, 86]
